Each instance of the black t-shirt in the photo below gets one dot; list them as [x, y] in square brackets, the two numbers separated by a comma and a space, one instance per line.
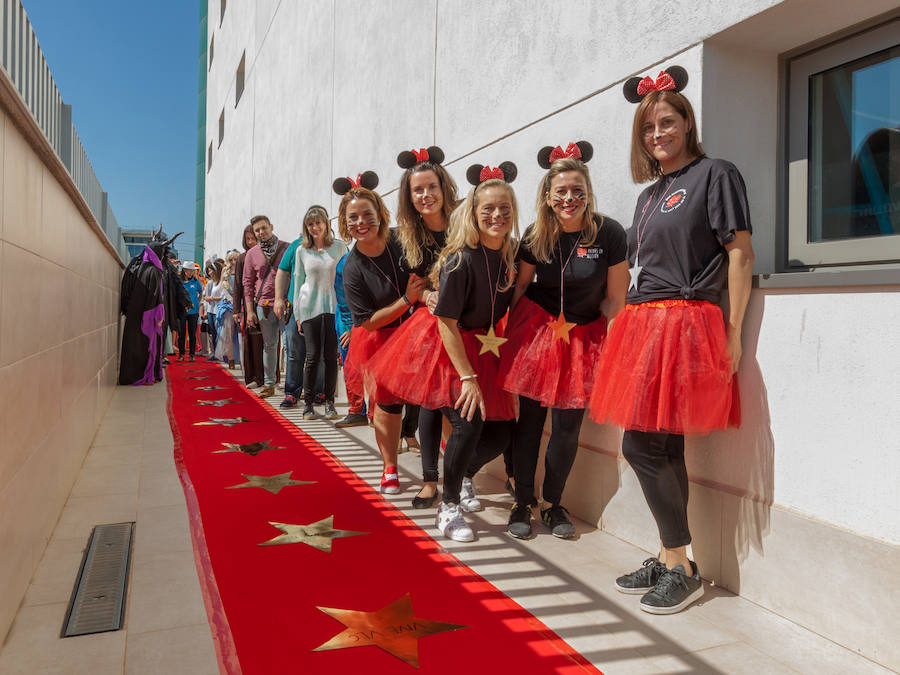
[466, 291]
[373, 283]
[430, 253]
[585, 275]
[685, 219]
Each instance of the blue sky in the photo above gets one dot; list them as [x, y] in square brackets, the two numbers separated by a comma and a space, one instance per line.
[129, 70]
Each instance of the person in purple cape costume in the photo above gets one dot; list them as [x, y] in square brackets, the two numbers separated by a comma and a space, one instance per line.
[145, 302]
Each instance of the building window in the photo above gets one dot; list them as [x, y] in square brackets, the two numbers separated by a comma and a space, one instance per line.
[222, 4]
[239, 80]
[209, 157]
[221, 127]
[844, 151]
[212, 45]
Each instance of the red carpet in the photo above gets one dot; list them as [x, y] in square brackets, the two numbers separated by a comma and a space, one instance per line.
[306, 569]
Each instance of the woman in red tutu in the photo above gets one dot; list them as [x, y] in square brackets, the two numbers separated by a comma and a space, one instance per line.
[380, 296]
[427, 197]
[572, 278]
[452, 363]
[669, 363]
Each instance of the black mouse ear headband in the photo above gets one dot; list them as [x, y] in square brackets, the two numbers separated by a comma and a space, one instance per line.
[673, 78]
[409, 158]
[478, 173]
[366, 179]
[581, 150]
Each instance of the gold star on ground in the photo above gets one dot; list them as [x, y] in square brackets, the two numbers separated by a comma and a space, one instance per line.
[561, 328]
[393, 628]
[224, 421]
[318, 535]
[271, 483]
[490, 342]
[197, 377]
[252, 449]
[218, 404]
[208, 388]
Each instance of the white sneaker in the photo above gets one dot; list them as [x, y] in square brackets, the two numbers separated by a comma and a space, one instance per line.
[451, 523]
[468, 500]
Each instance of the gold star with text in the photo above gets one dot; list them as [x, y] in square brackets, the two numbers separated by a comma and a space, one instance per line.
[393, 628]
[490, 342]
[271, 483]
[319, 534]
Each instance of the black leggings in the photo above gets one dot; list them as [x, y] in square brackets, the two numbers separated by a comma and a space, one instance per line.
[430, 440]
[496, 437]
[561, 449]
[471, 445]
[187, 327]
[410, 420]
[658, 461]
[320, 335]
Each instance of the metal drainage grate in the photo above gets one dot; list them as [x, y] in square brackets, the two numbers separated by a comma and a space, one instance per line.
[98, 599]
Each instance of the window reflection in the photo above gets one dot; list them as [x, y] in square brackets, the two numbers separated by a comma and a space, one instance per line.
[854, 147]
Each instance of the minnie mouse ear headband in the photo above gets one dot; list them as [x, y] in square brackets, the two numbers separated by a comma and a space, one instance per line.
[409, 158]
[673, 78]
[581, 150]
[478, 173]
[366, 179]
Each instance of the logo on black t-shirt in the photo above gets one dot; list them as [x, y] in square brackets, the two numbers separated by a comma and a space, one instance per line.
[673, 201]
[591, 252]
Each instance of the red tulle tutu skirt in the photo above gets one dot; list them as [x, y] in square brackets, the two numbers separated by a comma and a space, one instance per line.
[413, 366]
[665, 367]
[556, 373]
[364, 345]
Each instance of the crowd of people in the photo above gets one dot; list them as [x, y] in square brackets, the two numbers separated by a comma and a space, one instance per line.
[481, 332]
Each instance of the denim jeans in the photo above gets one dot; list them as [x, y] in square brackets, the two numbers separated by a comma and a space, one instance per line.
[271, 328]
[294, 356]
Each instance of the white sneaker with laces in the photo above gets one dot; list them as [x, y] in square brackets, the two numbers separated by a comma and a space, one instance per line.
[451, 524]
[468, 500]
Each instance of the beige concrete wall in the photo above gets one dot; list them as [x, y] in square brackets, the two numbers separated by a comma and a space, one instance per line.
[59, 289]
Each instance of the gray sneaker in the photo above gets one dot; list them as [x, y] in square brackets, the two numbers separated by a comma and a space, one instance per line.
[330, 412]
[674, 591]
[352, 420]
[643, 579]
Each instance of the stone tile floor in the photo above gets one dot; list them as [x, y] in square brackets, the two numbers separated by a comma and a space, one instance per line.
[129, 474]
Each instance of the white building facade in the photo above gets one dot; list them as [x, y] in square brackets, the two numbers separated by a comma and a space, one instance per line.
[799, 510]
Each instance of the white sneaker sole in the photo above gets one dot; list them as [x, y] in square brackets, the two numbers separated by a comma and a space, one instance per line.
[632, 591]
[459, 535]
[693, 597]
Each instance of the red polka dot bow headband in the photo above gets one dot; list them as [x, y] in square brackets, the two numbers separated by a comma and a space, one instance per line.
[673, 78]
[581, 150]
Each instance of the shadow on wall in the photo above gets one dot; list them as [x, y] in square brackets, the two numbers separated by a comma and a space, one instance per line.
[737, 466]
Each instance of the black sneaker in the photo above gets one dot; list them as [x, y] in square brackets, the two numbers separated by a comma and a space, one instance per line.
[556, 519]
[288, 402]
[308, 412]
[641, 580]
[352, 420]
[674, 591]
[520, 521]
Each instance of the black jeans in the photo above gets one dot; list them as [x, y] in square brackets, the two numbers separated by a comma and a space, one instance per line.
[430, 440]
[561, 449]
[658, 461]
[410, 420]
[187, 327]
[320, 336]
[471, 445]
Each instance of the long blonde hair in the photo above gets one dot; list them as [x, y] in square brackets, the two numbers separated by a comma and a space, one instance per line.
[411, 229]
[463, 233]
[228, 268]
[541, 239]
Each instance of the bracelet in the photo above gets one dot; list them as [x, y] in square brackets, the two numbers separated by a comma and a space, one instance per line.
[465, 378]
[406, 300]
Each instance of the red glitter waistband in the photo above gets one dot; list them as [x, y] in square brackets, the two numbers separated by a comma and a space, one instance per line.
[671, 302]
